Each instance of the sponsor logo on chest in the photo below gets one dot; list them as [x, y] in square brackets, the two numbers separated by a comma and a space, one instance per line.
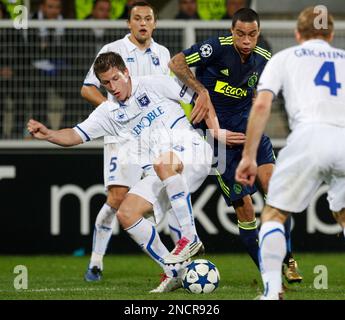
[147, 120]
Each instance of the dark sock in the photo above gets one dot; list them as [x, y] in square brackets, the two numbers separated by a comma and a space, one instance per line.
[287, 226]
[249, 237]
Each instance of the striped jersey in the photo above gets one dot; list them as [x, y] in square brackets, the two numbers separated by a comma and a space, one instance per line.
[231, 83]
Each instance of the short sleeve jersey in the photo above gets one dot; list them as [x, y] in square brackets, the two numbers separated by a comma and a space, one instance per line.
[312, 79]
[231, 83]
[153, 105]
[153, 60]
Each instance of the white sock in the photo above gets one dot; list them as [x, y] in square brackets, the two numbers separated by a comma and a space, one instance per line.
[344, 232]
[104, 225]
[272, 250]
[144, 233]
[174, 227]
[179, 197]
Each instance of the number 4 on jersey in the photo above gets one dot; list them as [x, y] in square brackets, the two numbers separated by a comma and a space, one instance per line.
[328, 68]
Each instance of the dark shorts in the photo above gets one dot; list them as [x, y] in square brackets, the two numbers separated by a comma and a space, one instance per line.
[231, 189]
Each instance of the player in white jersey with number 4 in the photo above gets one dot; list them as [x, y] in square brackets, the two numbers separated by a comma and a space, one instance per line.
[142, 56]
[312, 76]
[156, 135]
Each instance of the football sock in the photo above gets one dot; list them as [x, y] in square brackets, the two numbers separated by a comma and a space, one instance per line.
[287, 226]
[179, 197]
[146, 236]
[249, 237]
[272, 251]
[104, 225]
[174, 227]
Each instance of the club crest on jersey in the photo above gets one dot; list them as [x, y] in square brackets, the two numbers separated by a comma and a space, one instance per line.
[206, 50]
[130, 59]
[155, 60]
[253, 79]
[143, 100]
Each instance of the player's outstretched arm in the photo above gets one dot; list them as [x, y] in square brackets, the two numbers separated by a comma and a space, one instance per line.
[92, 95]
[179, 66]
[63, 137]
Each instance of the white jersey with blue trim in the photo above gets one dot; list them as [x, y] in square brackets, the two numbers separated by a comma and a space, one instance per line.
[153, 60]
[153, 106]
[313, 81]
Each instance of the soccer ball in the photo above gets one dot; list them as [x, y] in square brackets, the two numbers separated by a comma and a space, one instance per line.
[200, 276]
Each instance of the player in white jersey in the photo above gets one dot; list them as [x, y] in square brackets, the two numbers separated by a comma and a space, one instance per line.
[312, 76]
[158, 136]
[143, 56]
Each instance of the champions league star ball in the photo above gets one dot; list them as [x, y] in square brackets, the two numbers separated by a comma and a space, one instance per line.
[200, 276]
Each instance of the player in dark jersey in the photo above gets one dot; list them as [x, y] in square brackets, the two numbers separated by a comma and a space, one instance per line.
[228, 70]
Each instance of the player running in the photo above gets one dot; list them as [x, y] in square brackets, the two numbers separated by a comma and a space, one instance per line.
[312, 78]
[228, 69]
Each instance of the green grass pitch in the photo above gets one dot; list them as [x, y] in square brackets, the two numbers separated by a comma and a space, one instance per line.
[130, 277]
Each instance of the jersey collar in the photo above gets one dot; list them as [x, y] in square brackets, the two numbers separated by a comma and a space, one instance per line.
[119, 104]
[316, 41]
[131, 46]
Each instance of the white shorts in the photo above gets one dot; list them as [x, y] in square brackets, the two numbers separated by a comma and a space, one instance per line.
[314, 154]
[196, 156]
[118, 167]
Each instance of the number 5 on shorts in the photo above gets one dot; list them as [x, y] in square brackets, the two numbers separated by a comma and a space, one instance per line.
[113, 164]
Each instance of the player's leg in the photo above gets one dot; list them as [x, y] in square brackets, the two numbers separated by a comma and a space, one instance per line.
[104, 224]
[117, 178]
[247, 226]
[272, 250]
[266, 161]
[239, 197]
[144, 233]
[168, 167]
[340, 218]
[336, 194]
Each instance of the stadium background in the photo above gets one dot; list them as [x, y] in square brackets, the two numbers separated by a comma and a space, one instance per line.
[50, 197]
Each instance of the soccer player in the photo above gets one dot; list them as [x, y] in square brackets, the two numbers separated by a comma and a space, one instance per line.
[142, 56]
[228, 69]
[156, 135]
[312, 76]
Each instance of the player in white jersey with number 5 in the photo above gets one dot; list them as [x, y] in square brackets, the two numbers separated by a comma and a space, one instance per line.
[142, 56]
[156, 135]
[312, 77]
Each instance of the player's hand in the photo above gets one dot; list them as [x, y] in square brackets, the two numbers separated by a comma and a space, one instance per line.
[246, 171]
[38, 130]
[201, 107]
[235, 138]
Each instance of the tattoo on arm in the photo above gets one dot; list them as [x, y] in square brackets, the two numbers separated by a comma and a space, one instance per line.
[179, 66]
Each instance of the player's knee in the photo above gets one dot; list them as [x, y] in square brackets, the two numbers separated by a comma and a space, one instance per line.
[115, 197]
[273, 214]
[244, 209]
[163, 170]
[340, 217]
[166, 168]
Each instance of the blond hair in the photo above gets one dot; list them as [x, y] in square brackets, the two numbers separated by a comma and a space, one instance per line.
[306, 25]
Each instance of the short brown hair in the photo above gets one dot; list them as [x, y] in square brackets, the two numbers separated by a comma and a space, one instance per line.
[306, 25]
[108, 60]
[142, 4]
